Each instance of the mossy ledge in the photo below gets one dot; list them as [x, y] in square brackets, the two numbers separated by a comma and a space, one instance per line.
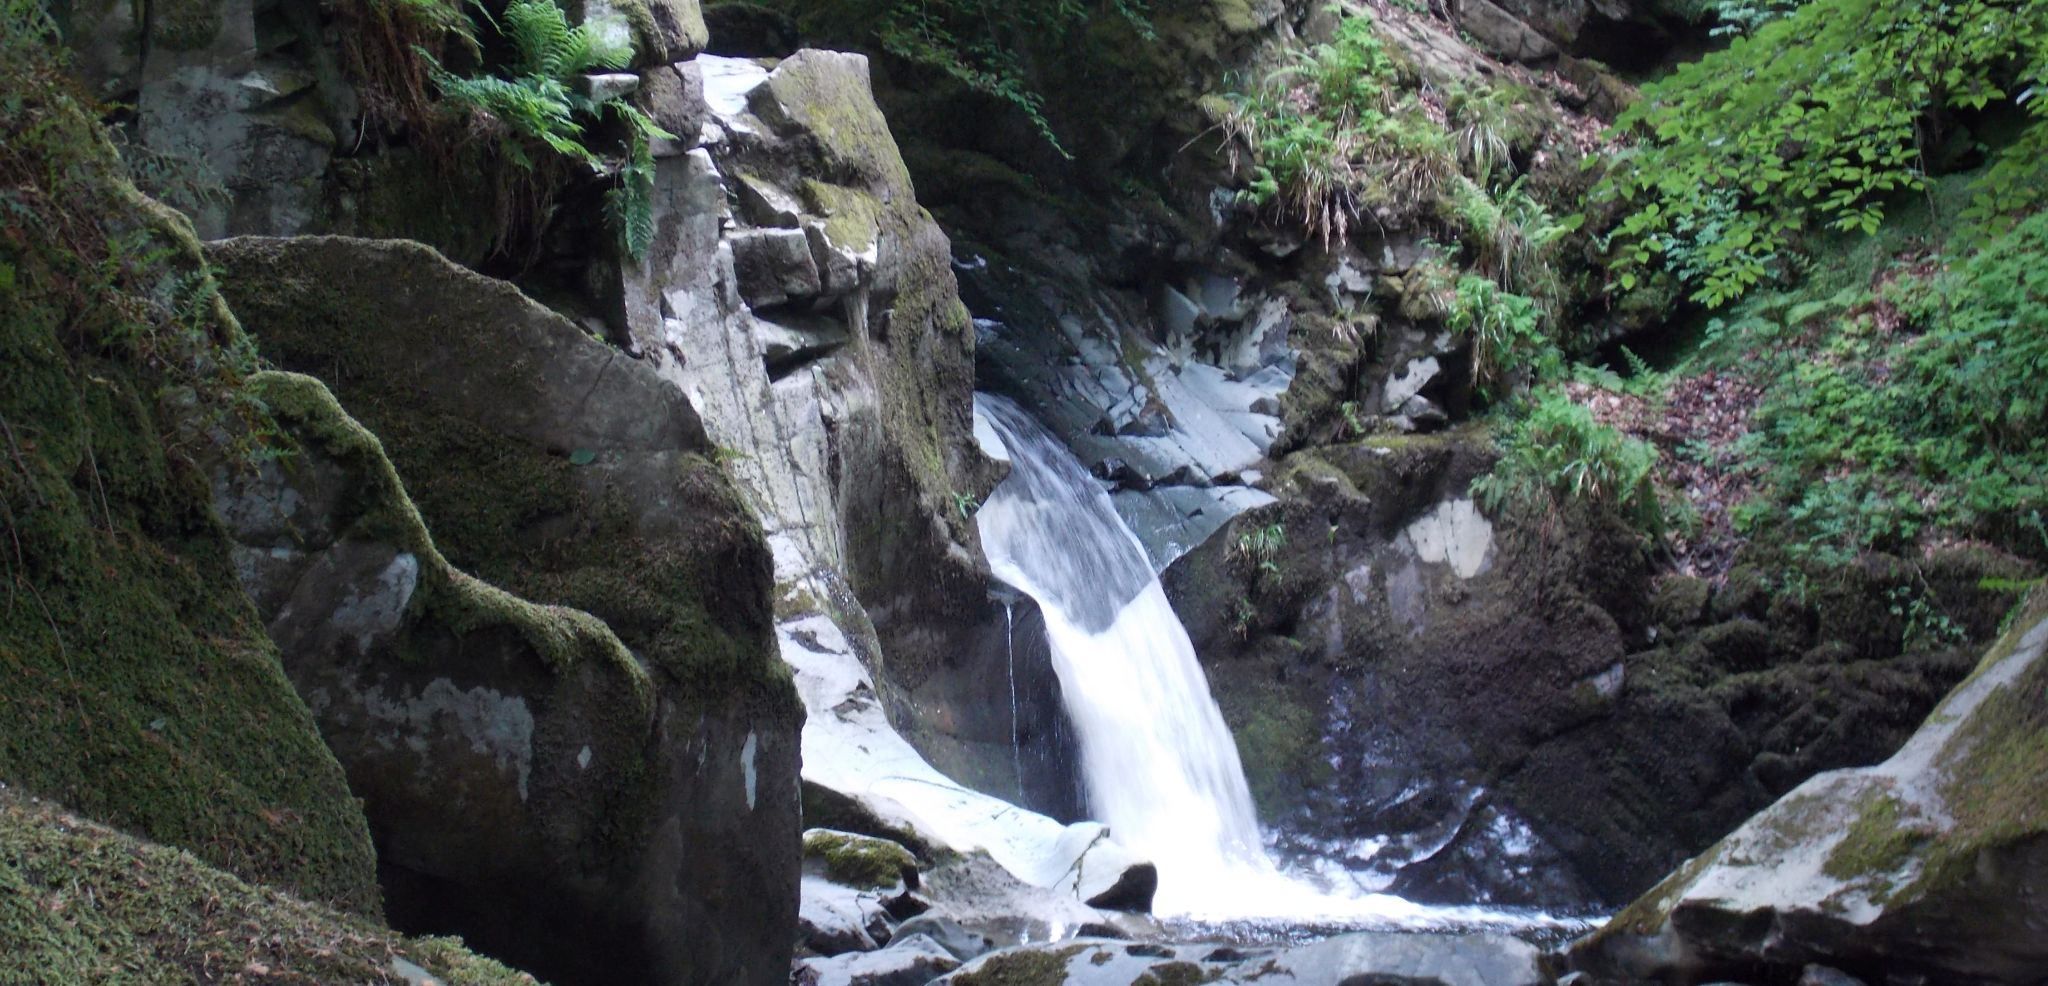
[80, 902]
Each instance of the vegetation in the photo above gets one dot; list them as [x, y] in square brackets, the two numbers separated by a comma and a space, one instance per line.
[1558, 458]
[1817, 119]
[537, 97]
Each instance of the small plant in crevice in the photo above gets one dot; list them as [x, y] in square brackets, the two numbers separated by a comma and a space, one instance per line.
[1257, 549]
[965, 504]
[1926, 625]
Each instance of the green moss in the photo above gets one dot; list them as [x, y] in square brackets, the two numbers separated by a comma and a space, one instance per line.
[858, 860]
[185, 25]
[853, 218]
[1996, 766]
[563, 637]
[1029, 967]
[1177, 974]
[1879, 842]
[136, 682]
[690, 600]
[83, 903]
[1277, 740]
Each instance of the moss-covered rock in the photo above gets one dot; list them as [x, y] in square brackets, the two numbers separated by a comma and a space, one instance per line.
[860, 861]
[555, 785]
[79, 901]
[136, 683]
[1930, 863]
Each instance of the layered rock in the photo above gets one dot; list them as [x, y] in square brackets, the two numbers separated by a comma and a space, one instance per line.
[1930, 864]
[580, 778]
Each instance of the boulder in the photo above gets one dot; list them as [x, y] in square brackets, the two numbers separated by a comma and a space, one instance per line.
[1932, 864]
[575, 777]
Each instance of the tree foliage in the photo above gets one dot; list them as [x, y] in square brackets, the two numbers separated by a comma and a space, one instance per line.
[1814, 119]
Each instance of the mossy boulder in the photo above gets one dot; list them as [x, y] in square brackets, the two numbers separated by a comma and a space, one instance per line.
[79, 901]
[136, 683]
[578, 771]
[1931, 864]
[860, 861]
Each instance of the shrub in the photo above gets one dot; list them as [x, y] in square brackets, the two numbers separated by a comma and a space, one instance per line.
[1558, 457]
[1816, 118]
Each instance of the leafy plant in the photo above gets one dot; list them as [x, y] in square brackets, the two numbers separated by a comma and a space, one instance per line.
[1331, 135]
[1258, 548]
[1508, 341]
[1559, 457]
[1815, 119]
[537, 97]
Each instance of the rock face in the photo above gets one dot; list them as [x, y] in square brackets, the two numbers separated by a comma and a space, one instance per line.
[1931, 864]
[595, 778]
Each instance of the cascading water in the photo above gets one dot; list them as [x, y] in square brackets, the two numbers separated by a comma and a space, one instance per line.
[1161, 768]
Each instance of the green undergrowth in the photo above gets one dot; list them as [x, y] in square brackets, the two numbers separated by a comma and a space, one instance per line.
[1902, 399]
[136, 682]
[498, 94]
[82, 903]
[564, 638]
[1350, 136]
[1821, 119]
[1556, 457]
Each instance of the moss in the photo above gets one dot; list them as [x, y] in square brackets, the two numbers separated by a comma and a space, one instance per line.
[1025, 967]
[399, 194]
[83, 903]
[1277, 740]
[1996, 765]
[858, 860]
[185, 25]
[853, 218]
[136, 682]
[563, 637]
[1879, 842]
[1177, 974]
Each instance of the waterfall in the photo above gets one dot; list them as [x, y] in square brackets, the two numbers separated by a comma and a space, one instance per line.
[1161, 768]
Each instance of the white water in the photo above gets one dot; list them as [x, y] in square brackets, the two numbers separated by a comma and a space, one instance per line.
[1161, 768]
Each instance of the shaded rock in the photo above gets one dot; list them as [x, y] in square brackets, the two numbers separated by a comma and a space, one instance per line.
[833, 919]
[910, 960]
[1928, 864]
[1500, 32]
[572, 777]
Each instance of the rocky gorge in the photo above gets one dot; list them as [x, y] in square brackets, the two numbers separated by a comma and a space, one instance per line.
[640, 491]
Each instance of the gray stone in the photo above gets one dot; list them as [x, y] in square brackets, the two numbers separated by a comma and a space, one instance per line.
[774, 266]
[1502, 33]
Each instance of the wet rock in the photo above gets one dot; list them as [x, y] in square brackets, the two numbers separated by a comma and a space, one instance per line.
[774, 266]
[833, 919]
[1386, 959]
